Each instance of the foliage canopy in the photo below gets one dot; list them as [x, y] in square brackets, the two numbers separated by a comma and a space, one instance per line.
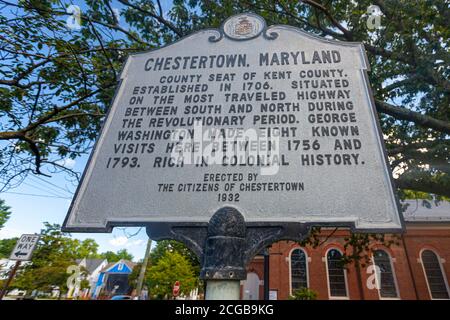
[56, 83]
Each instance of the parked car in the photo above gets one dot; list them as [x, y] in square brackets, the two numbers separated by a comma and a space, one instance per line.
[122, 297]
[26, 298]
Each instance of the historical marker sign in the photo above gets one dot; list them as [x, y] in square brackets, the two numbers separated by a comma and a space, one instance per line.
[275, 122]
[24, 247]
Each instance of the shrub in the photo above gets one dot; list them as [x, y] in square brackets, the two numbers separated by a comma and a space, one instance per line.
[303, 294]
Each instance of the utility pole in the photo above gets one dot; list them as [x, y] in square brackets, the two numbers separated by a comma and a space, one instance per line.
[143, 268]
[8, 282]
[266, 273]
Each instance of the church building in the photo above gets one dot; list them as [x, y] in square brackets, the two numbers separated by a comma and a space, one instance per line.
[415, 267]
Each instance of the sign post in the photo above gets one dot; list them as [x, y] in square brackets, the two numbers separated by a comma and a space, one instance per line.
[22, 252]
[10, 277]
[141, 276]
[231, 139]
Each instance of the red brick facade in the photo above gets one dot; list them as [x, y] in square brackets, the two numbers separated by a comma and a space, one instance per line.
[405, 258]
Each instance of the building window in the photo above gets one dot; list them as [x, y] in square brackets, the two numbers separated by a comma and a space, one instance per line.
[434, 275]
[388, 288]
[337, 283]
[299, 271]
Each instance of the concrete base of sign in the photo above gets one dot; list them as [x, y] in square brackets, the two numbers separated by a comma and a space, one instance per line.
[222, 290]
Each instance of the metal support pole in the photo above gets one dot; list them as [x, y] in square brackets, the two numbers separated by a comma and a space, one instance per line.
[224, 261]
[225, 246]
[266, 273]
[8, 282]
[143, 268]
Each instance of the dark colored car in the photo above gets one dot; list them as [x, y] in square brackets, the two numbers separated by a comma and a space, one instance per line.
[121, 297]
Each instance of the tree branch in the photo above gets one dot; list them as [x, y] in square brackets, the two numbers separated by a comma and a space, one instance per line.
[103, 49]
[424, 185]
[46, 118]
[23, 74]
[415, 146]
[116, 22]
[347, 34]
[159, 18]
[400, 83]
[37, 154]
[73, 115]
[417, 118]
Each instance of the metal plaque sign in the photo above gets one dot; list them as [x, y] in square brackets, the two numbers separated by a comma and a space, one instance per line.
[273, 121]
[24, 247]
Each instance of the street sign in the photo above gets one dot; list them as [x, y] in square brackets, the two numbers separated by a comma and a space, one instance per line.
[176, 289]
[24, 247]
[275, 122]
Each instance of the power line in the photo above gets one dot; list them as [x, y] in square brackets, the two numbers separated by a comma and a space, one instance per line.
[49, 191]
[53, 193]
[36, 195]
[46, 189]
[52, 184]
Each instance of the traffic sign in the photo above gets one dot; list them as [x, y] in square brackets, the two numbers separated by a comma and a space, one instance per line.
[24, 247]
[176, 289]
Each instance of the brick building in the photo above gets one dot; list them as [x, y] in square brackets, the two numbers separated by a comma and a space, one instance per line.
[416, 267]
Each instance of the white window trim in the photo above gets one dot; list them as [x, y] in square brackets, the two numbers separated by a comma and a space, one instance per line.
[393, 274]
[444, 276]
[328, 278]
[290, 267]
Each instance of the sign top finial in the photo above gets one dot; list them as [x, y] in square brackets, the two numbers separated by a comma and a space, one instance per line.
[244, 26]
